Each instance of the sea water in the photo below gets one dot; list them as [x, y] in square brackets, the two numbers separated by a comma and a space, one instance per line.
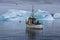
[17, 31]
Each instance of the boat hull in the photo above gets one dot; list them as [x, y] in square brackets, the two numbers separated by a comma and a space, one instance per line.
[35, 26]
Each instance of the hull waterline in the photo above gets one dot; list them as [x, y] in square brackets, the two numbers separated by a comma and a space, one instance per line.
[35, 26]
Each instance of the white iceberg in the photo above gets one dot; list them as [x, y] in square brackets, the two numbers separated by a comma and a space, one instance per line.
[16, 15]
[43, 15]
[57, 15]
[21, 15]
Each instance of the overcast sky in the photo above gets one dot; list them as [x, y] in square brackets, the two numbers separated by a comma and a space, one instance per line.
[26, 5]
[32, 1]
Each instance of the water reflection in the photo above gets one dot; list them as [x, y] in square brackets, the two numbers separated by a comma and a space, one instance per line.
[33, 33]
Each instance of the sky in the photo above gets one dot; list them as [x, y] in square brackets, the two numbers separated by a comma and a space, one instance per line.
[46, 5]
[31, 1]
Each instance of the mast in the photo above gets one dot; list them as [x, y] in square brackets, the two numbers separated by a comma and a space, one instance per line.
[32, 11]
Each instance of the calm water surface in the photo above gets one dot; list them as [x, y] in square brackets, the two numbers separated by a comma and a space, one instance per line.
[18, 31]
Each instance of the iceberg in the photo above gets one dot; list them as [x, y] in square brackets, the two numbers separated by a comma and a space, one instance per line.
[57, 15]
[43, 15]
[21, 15]
[16, 15]
[2, 19]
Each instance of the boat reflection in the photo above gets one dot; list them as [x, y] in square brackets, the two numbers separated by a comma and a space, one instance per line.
[33, 33]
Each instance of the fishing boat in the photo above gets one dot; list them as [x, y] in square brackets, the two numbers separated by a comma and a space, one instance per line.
[33, 23]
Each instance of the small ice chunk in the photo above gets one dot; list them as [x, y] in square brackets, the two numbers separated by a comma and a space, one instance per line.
[57, 15]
